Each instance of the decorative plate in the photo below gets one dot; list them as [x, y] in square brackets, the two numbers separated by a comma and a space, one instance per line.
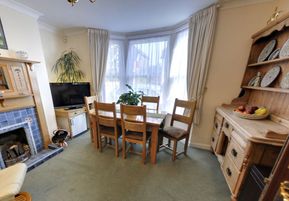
[274, 54]
[267, 50]
[270, 76]
[284, 52]
[285, 82]
[252, 81]
[251, 116]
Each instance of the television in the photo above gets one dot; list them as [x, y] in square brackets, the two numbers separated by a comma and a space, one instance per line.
[69, 95]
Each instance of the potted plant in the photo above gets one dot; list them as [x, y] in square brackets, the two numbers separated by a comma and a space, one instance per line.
[131, 97]
[67, 66]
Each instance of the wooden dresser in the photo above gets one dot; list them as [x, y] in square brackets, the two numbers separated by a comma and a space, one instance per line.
[238, 143]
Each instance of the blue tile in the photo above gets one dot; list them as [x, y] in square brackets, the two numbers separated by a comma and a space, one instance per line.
[9, 116]
[29, 111]
[18, 120]
[16, 114]
[23, 113]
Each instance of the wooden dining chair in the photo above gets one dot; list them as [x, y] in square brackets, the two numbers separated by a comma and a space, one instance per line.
[133, 121]
[89, 105]
[177, 132]
[149, 100]
[107, 127]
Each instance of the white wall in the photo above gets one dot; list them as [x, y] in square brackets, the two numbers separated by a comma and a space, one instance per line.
[53, 45]
[22, 33]
[78, 41]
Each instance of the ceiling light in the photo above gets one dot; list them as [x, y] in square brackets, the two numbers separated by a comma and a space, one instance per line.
[72, 2]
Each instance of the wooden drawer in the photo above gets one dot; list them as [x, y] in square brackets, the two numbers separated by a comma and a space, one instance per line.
[75, 113]
[214, 139]
[231, 173]
[227, 128]
[236, 153]
[218, 121]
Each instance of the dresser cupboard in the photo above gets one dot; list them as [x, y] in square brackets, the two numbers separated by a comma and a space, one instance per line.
[239, 143]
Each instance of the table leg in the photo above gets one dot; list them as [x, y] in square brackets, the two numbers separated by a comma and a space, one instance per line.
[154, 144]
[94, 133]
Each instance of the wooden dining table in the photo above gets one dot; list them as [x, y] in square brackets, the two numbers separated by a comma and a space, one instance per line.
[154, 122]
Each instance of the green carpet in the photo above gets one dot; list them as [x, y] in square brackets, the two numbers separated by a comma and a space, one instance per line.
[81, 173]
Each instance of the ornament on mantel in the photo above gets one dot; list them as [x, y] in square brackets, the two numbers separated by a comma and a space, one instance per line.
[274, 16]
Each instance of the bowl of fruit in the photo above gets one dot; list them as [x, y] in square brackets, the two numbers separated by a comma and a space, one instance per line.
[251, 112]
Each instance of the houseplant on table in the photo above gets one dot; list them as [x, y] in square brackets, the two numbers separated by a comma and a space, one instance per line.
[67, 66]
[131, 97]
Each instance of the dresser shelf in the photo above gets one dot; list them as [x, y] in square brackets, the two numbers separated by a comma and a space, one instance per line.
[279, 90]
[268, 62]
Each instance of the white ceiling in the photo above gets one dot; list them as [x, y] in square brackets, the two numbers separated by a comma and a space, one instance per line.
[116, 15]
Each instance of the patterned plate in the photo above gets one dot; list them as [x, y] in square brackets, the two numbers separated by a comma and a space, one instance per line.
[284, 52]
[252, 81]
[274, 54]
[285, 82]
[270, 76]
[267, 50]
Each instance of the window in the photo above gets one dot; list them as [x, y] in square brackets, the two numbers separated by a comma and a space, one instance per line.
[154, 65]
[147, 64]
[115, 71]
[178, 70]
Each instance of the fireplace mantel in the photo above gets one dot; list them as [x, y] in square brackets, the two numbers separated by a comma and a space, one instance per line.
[19, 89]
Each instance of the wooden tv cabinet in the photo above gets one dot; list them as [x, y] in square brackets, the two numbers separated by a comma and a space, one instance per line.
[73, 120]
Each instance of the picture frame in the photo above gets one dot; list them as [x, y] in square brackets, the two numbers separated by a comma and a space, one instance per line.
[3, 43]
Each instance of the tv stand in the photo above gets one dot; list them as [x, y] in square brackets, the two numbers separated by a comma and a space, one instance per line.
[73, 108]
[73, 120]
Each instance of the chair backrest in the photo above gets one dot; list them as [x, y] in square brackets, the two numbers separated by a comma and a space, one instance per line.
[187, 115]
[151, 99]
[105, 114]
[89, 103]
[133, 118]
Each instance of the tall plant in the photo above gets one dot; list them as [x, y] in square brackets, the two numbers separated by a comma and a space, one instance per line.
[67, 67]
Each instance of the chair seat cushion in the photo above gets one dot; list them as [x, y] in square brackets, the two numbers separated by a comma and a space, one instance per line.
[11, 181]
[173, 132]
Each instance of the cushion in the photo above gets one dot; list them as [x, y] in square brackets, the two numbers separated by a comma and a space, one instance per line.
[11, 181]
[174, 132]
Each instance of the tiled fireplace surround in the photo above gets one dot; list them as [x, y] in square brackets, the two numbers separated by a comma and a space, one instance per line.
[27, 119]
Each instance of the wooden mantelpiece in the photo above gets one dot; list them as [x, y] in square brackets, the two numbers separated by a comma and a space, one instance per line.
[19, 88]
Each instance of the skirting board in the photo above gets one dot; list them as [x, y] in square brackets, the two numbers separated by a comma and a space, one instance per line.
[200, 146]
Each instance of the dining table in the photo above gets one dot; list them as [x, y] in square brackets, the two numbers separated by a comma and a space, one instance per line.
[154, 122]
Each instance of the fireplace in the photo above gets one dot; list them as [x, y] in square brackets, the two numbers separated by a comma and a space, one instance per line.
[20, 136]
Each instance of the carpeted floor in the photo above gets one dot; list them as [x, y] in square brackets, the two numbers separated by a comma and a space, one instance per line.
[81, 173]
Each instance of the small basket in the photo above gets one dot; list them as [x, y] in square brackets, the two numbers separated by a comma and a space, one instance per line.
[251, 116]
[22, 158]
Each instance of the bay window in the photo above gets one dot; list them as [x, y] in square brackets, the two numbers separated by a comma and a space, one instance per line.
[156, 65]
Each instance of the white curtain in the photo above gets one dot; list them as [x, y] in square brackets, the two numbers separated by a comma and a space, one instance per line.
[114, 81]
[98, 50]
[201, 34]
[148, 65]
[177, 82]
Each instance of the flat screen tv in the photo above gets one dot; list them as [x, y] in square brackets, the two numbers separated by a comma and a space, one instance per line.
[69, 95]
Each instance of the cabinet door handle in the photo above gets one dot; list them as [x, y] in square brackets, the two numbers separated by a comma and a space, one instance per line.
[226, 125]
[213, 139]
[234, 152]
[229, 172]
